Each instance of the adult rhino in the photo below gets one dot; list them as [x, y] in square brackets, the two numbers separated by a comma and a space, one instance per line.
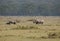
[38, 21]
[11, 22]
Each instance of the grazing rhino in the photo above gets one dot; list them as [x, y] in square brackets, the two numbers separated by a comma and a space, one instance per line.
[11, 22]
[37, 21]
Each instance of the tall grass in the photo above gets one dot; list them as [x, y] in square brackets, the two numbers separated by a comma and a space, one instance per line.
[25, 27]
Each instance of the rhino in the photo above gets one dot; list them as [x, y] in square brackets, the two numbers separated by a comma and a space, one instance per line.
[37, 21]
[11, 22]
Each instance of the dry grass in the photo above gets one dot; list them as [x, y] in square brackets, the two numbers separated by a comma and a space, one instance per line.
[28, 31]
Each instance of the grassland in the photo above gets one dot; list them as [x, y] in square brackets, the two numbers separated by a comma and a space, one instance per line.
[28, 31]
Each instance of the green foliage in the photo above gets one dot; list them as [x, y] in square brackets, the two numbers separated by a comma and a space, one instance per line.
[29, 8]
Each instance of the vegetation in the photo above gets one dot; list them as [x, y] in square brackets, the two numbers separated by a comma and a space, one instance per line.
[29, 31]
[16, 7]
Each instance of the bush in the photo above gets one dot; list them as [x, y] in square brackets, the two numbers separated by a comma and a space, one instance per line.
[52, 35]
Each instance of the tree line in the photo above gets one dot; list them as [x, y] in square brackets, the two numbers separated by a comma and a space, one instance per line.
[30, 9]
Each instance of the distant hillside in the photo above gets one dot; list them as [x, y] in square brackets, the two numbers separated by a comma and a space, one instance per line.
[30, 7]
